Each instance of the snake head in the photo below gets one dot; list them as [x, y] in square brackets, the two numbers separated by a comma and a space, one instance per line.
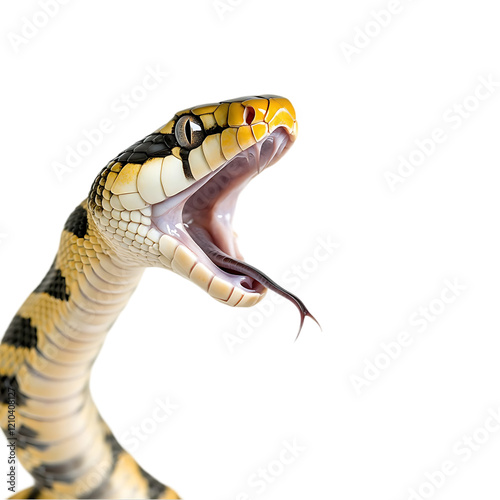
[168, 200]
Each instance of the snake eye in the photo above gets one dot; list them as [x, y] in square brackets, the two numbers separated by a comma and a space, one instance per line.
[189, 132]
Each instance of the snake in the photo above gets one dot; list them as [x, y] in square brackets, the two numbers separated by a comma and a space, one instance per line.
[165, 202]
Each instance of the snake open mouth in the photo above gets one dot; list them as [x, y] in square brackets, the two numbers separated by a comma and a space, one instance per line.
[202, 216]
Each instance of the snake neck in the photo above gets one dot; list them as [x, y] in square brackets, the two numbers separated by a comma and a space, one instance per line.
[45, 360]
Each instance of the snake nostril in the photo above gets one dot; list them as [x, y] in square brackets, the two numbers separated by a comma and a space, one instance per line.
[249, 115]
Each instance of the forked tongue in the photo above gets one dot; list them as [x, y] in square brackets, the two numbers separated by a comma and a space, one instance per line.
[233, 266]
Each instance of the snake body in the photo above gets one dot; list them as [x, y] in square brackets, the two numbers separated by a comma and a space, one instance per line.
[166, 202]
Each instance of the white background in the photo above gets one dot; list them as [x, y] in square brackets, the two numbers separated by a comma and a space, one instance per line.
[397, 247]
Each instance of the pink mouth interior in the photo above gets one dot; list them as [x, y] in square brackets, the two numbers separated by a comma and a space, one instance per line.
[208, 213]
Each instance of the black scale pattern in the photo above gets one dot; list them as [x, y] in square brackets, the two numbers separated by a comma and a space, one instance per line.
[78, 223]
[116, 449]
[7, 383]
[54, 284]
[63, 472]
[185, 164]
[21, 333]
[155, 488]
[34, 493]
[96, 189]
[152, 146]
[25, 436]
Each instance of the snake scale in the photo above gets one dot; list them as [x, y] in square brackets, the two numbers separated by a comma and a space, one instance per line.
[166, 202]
